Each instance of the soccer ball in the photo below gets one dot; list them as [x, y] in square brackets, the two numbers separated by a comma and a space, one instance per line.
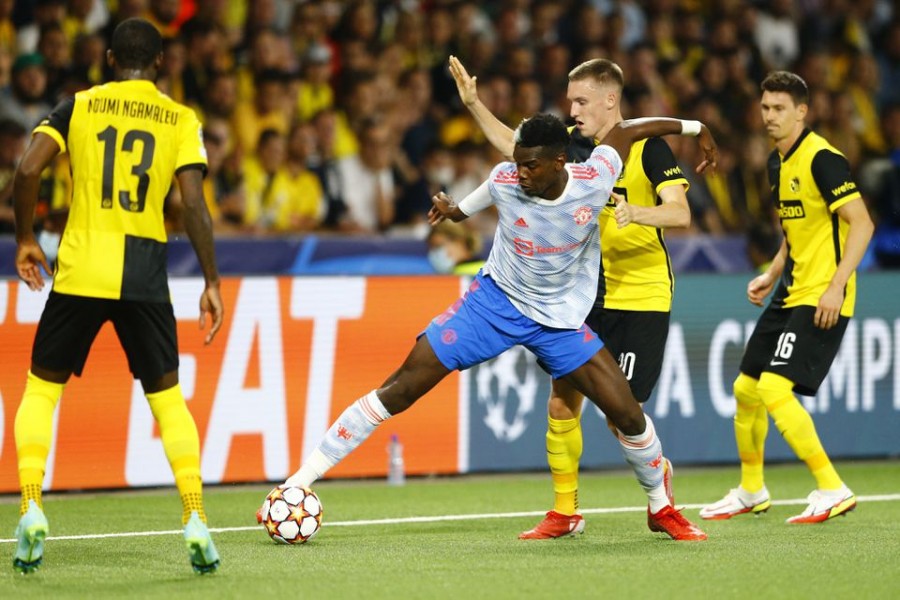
[291, 515]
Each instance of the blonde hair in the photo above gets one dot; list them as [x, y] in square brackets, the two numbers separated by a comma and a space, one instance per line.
[602, 70]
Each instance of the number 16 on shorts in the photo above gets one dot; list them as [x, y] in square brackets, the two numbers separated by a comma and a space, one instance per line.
[784, 348]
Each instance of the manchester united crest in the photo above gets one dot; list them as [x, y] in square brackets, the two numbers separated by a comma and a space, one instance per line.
[583, 215]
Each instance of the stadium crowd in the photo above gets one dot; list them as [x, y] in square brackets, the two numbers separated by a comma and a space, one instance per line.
[331, 116]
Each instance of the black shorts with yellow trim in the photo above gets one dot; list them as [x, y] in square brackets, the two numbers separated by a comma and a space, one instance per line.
[637, 340]
[69, 325]
[787, 342]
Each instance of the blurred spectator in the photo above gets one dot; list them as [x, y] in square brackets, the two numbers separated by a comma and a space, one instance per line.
[268, 109]
[527, 99]
[841, 128]
[12, 146]
[471, 169]
[7, 28]
[863, 92]
[88, 59]
[763, 242]
[308, 28]
[164, 14]
[271, 204]
[262, 15]
[315, 91]
[777, 35]
[170, 79]
[222, 190]
[367, 179]
[220, 96]
[45, 13]
[889, 65]
[434, 175]
[881, 181]
[454, 248]
[413, 114]
[54, 46]
[267, 52]
[324, 163]
[308, 195]
[85, 17]
[24, 100]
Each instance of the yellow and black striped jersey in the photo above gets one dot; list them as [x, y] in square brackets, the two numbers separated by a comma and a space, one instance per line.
[126, 141]
[810, 183]
[637, 272]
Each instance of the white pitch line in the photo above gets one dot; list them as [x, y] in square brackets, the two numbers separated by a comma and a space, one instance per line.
[434, 519]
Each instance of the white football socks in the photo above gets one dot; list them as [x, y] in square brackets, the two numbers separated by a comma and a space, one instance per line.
[350, 430]
[644, 453]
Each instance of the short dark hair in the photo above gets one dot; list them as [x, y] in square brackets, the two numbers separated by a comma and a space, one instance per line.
[544, 130]
[789, 83]
[136, 43]
[603, 70]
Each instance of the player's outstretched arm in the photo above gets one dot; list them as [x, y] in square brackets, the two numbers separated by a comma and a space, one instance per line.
[625, 133]
[198, 225]
[498, 134]
[29, 256]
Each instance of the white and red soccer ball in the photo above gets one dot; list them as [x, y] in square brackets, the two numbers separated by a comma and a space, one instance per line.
[291, 515]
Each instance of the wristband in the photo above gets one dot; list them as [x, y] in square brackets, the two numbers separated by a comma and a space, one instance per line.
[691, 128]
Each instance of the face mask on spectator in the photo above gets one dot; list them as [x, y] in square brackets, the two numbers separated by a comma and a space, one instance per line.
[443, 176]
[440, 260]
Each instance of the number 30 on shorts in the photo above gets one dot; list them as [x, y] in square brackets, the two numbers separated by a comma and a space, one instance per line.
[626, 363]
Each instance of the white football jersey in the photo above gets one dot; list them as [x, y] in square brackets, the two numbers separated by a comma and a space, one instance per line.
[546, 253]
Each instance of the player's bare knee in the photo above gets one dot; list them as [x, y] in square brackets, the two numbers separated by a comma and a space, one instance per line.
[562, 407]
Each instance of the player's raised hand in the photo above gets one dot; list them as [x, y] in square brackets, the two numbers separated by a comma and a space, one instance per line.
[624, 211]
[442, 207]
[211, 303]
[465, 85]
[709, 148]
[759, 287]
[29, 260]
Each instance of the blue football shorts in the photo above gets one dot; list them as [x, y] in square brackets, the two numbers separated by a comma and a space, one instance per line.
[484, 323]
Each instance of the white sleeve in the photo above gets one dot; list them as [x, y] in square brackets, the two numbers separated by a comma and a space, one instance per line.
[607, 162]
[477, 201]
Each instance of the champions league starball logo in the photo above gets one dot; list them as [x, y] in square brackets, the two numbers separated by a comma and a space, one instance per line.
[507, 388]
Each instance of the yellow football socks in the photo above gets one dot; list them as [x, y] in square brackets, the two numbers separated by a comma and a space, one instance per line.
[751, 424]
[564, 446]
[182, 445]
[796, 425]
[34, 432]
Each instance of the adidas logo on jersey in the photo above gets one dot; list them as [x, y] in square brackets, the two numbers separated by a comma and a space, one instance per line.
[521, 222]
[584, 172]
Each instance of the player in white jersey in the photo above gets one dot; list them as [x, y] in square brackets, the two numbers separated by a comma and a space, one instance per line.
[530, 292]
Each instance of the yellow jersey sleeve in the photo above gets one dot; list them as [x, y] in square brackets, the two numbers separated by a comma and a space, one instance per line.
[191, 151]
[56, 125]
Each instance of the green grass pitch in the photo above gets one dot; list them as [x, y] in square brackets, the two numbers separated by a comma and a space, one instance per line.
[421, 556]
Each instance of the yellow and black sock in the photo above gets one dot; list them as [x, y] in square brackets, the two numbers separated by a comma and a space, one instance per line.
[564, 446]
[796, 425]
[182, 445]
[751, 425]
[34, 432]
